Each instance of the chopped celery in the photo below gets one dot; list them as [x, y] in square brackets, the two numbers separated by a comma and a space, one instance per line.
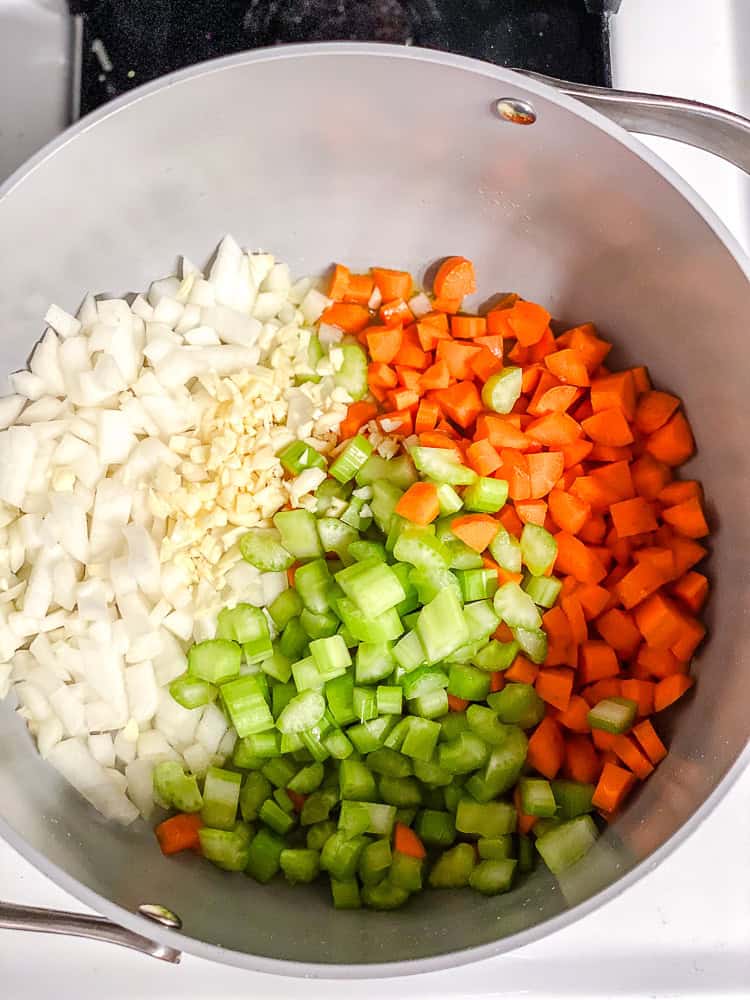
[286, 606]
[496, 655]
[450, 502]
[351, 459]
[477, 584]
[442, 627]
[501, 391]
[318, 806]
[493, 876]
[495, 848]
[374, 862]
[436, 828]
[339, 694]
[336, 536]
[506, 551]
[312, 581]
[352, 375]
[485, 723]
[421, 738]
[485, 819]
[422, 681]
[486, 495]
[431, 705]
[399, 471]
[279, 771]
[516, 608]
[248, 626]
[409, 653]
[385, 496]
[532, 642]
[221, 796]
[262, 548]
[389, 762]
[261, 746]
[345, 894]
[361, 549]
[300, 864]
[365, 703]
[401, 792]
[368, 817]
[256, 788]
[573, 798]
[245, 701]
[613, 715]
[518, 704]
[389, 699]
[543, 590]
[227, 849]
[366, 628]
[338, 744]
[468, 682]
[331, 495]
[214, 660]
[319, 626]
[275, 817]
[302, 713]
[504, 765]
[299, 533]
[466, 753]
[481, 620]
[298, 456]
[538, 549]
[384, 896]
[192, 692]
[406, 872]
[306, 675]
[264, 855]
[294, 640]
[537, 798]
[358, 514]
[430, 580]
[372, 585]
[374, 662]
[369, 736]
[172, 787]
[319, 833]
[341, 853]
[453, 868]
[442, 465]
[331, 656]
[564, 845]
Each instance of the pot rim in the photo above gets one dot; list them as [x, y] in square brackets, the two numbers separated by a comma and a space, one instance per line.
[525, 86]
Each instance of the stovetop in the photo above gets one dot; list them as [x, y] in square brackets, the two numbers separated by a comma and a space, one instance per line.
[125, 43]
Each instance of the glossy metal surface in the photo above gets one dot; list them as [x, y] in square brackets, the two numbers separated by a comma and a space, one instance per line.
[33, 918]
[571, 211]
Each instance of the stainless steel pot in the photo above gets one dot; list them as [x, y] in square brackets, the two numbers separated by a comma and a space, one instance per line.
[373, 154]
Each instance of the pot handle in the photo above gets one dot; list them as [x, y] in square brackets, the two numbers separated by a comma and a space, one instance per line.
[33, 918]
[716, 130]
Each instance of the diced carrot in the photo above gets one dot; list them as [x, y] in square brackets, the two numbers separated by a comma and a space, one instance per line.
[436, 439]
[649, 740]
[659, 621]
[613, 787]
[522, 671]
[381, 375]
[456, 704]
[667, 691]
[515, 470]
[503, 634]
[673, 443]
[519, 355]
[427, 416]
[575, 717]
[396, 422]
[680, 490]
[575, 558]
[406, 841]
[594, 599]
[557, 399]
[497, 681]
[546, 748]
[568, 366]
[410, 378]
[493, 343]
[510, 521]
[501, 432]
[437, 320]
[419, 504]
[569, 512]
[686, 553]
[544, 346]
[446, 305]
[618, 629]
[649, 476]
[483, 458]
[428, 336]
[339, 282]
[608, 427]
[602, 741]
[581, 759]
[660, 558]
[628, 752]
[485, 364]
[573, 611]
[554, 430]
[640, 691]
[633, 517]
[524, 821]
[528, 321]
[468, 327]
[608, 453]
[545, 468]
[555, 686]
[475, 530]
[410, 353]
[691, 636]
[454, 278]
[461, 403]
[357, 415]
[392, 284]
[384, 342]
[687, 518]
[359, 289]
[638, 584]
[659, 663]
[347, 316]
[437, 376]
[616, 479]
[597, 661]
[457, 357]
[592, 349]
[561, 649]
[531, 511]
[179, 833]
[692, 590]
[615, 391]
[403, 399]
[653, 410]
[576, 452]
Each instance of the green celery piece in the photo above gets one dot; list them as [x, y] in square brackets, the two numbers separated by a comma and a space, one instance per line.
[372, 585]
[564, 845]
[341, 853]
[275, 817]
[429, 581]
[477, 584]
[401, 792]
[526, 854]
[421, 738]
[365, 703]
[409, 652]
[543, 590]
[214, 660]
[374, 662]
[573, 798]
[312, 580]
[518, 704]
[486, 495]
[452, 726]
[516, 608]
[256, 788]
[338, 744]
[442, 627]
[495, 848]
[318, 805]
[306, 675]
[431, 774]
[406, 872]
[384, 896]
[192, 692]
[356, 781]
[286, 606]
[172, 787]
[299, 533]
[398, 471]
[330, 493]
[442, 465]
[505, 549]
[221, 796]
[298, 456]
[336, 536]
[453, 868]
[367, 817]
[319, 833]
[227, 849]
[389, 762]
[389, 699]
[331, 656]
[411, 601]
[465, 753]
[262, 548]
[352, 375]
[537, 798]
[365, 628]
[351, 459]
[423, 680]
[491, 877]
[294, 640]
[363, 549]
[319, 626]
[339, 695]
[450, 502]
[371, 735]
[345, 894]
[538, 549]
[501, 391]
[245, 701]
[504, 766]
[302, 713]
[300, 865]
[385, 496]
[375, 861]
[496, 655]
[485, 819]
[436, 828]
[481, 620]
[420, 547]
[485, 723]
[264, 859]
[532, 642]
[468, 682]
[613, 715]
[277, 666]
[431, 705]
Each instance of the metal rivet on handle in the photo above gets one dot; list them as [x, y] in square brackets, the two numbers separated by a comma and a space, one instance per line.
[516, 111]
[160, 915]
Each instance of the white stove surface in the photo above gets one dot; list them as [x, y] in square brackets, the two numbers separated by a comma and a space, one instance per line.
[684, 929]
